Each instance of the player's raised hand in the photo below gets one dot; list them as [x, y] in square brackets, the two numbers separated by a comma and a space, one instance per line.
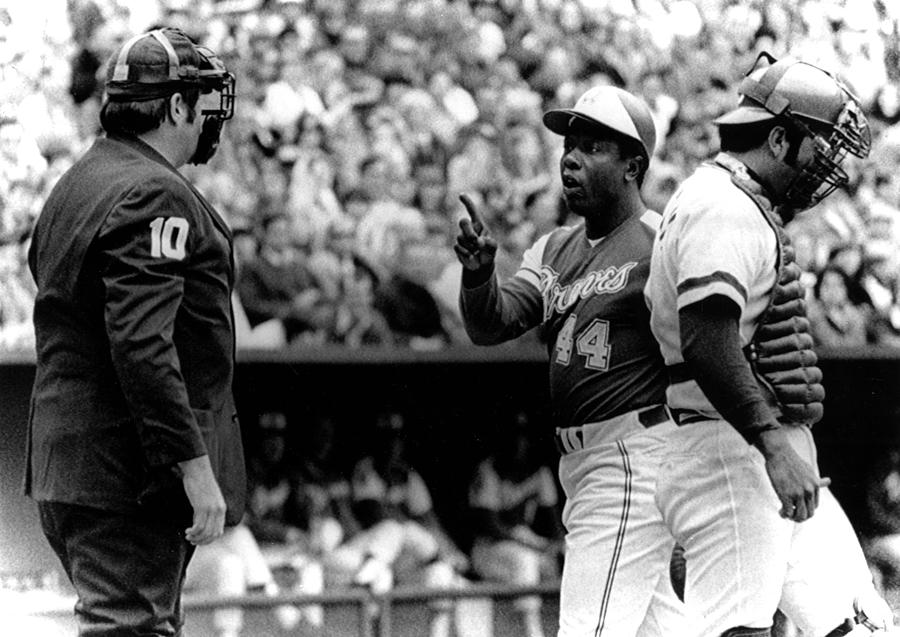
[475, 248]
[795, 481]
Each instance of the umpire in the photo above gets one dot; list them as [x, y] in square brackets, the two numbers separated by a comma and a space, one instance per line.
[134, 449]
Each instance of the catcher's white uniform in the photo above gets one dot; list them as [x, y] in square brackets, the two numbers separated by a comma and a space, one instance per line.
[743, 558]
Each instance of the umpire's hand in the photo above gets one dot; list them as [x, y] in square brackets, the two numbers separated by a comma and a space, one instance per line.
[475, 248]
[206, 499]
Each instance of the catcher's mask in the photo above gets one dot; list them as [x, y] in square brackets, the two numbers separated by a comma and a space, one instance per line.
[164, 61]
[820, 106]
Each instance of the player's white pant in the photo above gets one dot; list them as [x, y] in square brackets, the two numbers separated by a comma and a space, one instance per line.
[716, 498]
[827, 571]
[616, 572]
[743, 558]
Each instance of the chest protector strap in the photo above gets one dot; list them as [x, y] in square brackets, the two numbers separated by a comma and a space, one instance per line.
[781, 350]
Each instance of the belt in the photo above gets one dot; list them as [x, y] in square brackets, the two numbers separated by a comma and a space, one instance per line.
[569, 439]
[687, 416]
[656, 415]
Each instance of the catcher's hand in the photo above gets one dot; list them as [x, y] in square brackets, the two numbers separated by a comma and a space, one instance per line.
[794, 480]
[475, 248]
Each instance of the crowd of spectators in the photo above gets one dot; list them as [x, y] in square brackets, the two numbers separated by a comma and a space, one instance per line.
[358, 124]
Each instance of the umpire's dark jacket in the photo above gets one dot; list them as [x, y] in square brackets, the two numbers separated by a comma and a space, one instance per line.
[134, 331]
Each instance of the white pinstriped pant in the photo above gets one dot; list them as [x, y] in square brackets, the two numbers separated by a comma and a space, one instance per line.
[616, 571]
[704, 485]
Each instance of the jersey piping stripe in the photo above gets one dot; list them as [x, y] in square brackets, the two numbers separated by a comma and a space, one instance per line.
[715, 277]
[620, 540]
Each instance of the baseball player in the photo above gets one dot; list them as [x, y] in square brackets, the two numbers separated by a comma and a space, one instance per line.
[515, 520]
[401, 538]
[727, 310]
[583, 285]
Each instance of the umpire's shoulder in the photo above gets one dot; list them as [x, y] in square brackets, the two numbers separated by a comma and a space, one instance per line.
[158, 193]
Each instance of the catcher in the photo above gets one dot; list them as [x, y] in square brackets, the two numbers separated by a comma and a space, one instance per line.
[727, 310]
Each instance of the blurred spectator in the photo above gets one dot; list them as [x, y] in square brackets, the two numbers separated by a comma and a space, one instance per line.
[515, 519]
[883, 502]
[432, 198]
[457, 103]
[290, 549]
[95, 37]
[848, 258]
[312, 203]
[359, 111]
[401, 539]
[475, 164]
[358, 321]
[278, 284]
[403, 298]
[17, 292]
[320, 502]
[880, 279]
[233, 566]
[834, 319]
[663, 106]
[268, 334]
[270, 471]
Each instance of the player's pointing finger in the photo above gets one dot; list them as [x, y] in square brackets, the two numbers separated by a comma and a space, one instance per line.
[474, 215]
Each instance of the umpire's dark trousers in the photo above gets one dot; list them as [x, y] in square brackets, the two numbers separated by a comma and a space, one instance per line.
[127, 568]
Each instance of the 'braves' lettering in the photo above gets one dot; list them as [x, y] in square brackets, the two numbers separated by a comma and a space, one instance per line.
[561, 297]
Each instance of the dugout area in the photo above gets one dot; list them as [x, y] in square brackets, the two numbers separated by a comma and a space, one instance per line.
[455, 402]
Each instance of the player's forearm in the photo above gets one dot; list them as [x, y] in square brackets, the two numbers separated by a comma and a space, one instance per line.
[711, 348]
[493, 313]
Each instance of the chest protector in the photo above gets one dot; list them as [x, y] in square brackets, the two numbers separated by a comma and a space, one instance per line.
[781, 350]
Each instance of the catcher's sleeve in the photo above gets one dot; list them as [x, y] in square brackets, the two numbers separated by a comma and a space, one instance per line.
[711, 347]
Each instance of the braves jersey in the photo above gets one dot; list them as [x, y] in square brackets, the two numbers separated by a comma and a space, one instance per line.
[712, 240]
[587, 298]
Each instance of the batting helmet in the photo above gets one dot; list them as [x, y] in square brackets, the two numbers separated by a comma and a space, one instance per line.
[817, 103]
[613, 108]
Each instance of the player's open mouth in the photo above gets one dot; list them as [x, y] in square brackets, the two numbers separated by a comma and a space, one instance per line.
[571, 186]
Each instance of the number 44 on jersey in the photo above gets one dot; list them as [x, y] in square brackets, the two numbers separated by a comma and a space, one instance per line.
[592, 343]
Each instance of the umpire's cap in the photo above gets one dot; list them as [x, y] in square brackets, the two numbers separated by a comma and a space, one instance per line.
[613, 108]
[159, 63]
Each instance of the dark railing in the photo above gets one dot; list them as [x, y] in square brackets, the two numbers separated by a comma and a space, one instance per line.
[360, 598]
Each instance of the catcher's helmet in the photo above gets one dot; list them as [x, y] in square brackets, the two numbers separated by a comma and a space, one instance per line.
[817, 103]
[613, 108]
[162, 62]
